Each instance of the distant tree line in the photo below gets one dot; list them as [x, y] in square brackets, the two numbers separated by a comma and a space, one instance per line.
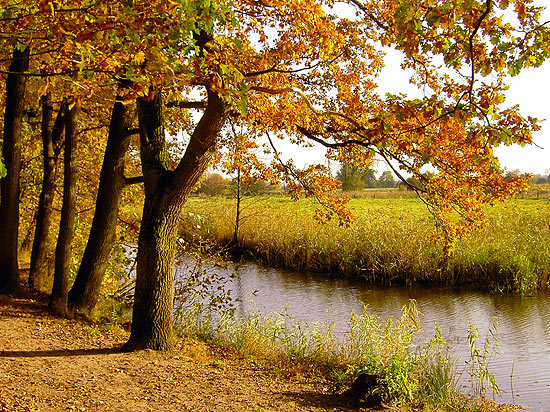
[352, 178]
[540, 180]
[214, 184]
[537, 179]
[357, 178]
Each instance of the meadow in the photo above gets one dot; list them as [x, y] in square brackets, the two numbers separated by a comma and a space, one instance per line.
[393, 240]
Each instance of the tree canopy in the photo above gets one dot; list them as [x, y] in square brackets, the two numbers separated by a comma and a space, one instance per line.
[306, 70]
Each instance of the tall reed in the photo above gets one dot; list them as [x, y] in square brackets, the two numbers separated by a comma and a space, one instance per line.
[422, 377]
[392, 241]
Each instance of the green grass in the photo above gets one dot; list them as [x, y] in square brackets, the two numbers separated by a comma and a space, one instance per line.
[416, 378]
[392, 242]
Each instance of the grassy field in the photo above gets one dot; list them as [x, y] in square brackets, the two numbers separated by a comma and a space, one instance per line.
[392, 241]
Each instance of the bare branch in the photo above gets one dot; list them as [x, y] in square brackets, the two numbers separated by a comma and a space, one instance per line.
[371, 16]
[274, 69]
[133, 180]
[186, 104]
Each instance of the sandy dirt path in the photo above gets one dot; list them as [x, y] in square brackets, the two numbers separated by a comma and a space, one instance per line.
[51, 364]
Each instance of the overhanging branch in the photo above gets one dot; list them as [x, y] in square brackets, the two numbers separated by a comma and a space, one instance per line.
[308, 102]
[364, 143]
[133, 180]
[187, 104]
[274, 69]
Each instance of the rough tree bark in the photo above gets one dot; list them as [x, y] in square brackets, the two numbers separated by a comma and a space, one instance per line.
[165, 193]
[58, 299]
[51, 145]
[9, 185]
[84, 293]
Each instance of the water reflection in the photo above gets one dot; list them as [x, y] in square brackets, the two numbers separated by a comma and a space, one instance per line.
[522, 366]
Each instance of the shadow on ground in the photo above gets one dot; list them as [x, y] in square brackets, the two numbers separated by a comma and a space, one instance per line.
[59, 353]
[337, 402]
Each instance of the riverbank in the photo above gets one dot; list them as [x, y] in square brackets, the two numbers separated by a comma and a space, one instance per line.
[52, 364]
[391, 243]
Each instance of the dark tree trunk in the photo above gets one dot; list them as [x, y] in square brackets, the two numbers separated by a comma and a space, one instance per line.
[84, 294]
[9, 185]
[154, 294]
[237, 210]
[51, 145]
[165, 193]
[58, 299]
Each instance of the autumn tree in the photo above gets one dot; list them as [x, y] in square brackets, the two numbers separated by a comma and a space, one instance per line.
[239, 159]
[63, 57]
[63, 250]
[11, 152]
[85, 291]
[316, 85]
[305, 72]
[353, 178]
[386, 179]
[51, 133]
[213, 184]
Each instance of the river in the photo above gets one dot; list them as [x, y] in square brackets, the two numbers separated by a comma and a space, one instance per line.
[521, 366]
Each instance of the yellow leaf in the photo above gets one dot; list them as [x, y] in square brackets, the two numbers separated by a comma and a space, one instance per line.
[139, 58]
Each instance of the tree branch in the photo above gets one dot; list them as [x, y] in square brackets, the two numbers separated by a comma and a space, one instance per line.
[488, 5]
[186, 105]
[364, 143]
[128, 181]
[274, 69]
[132, 132]
[309, 104]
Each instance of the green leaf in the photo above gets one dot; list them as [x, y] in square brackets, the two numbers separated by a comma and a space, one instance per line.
[5, 13]
[3, 170]
[21, 46]
[515, 67]
[238, 43]
[225, 69]
[399, 116]
[242, 105]
[433, 19]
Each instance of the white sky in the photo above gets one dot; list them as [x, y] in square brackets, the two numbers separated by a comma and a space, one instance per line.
[531, 90]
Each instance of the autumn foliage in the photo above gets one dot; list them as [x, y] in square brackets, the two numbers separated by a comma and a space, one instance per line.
[306, 70]
[299, 70]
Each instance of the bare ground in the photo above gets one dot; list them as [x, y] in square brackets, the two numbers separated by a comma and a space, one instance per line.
[52, 364]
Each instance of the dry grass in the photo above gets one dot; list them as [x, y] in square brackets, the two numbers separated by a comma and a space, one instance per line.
[392, 241]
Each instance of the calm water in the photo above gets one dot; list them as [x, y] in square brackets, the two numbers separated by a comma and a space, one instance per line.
[521, 368]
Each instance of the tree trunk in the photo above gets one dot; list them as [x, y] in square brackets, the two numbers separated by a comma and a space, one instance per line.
[237, 210]
[152, 321]
[165, 194]
[84, 294]
[9, 185]
[58, 299]
[51, 145]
